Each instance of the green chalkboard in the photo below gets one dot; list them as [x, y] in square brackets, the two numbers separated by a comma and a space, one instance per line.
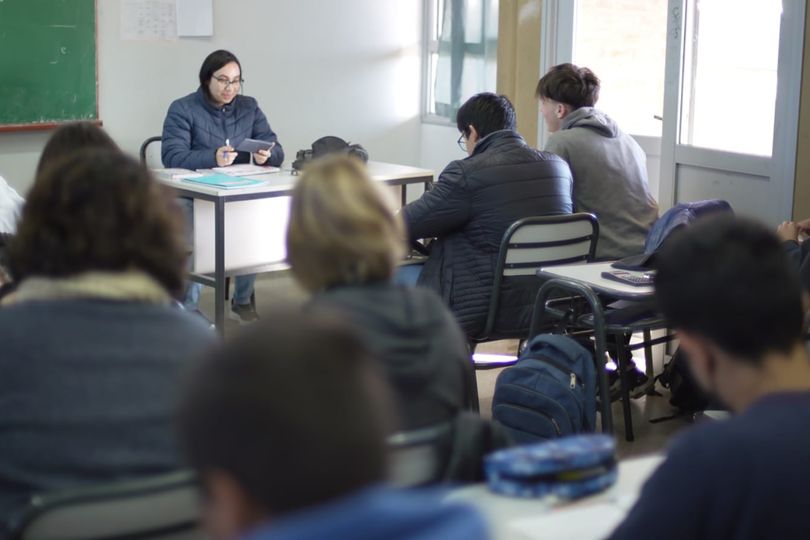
[47, 62]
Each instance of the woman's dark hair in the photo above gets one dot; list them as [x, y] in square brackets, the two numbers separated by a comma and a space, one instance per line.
[569, 84]
[294, 409]
[71, 139]
[212, 63]
[486, 112]
[99, 210]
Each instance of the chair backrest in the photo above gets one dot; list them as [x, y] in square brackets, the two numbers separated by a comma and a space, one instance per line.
[418, 457]
[157, 508]
[150, 152]
[534, 242]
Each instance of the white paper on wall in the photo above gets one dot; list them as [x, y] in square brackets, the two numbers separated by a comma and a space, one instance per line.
[195, 18]
[148, 20]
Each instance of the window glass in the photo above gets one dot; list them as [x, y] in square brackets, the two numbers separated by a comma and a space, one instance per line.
[624, 43]
[730, 67]
[462, 53]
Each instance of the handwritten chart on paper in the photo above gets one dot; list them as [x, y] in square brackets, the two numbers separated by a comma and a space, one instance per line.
[48, 62]
[148, 20]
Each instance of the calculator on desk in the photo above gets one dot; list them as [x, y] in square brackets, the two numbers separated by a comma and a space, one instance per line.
[635, 279]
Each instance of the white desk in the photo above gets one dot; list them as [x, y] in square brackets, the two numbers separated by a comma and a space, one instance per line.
[549, 518]
[257, 212]
[590, 274]
[585, 279]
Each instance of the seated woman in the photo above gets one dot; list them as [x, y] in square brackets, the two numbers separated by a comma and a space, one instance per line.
[201, 131]
[343, 242]
[92, 349]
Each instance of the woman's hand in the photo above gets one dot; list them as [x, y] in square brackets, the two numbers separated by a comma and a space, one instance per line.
[225, 156]
[261, 157]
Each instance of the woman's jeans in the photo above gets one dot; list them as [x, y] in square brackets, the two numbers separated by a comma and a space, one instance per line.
[243, 286]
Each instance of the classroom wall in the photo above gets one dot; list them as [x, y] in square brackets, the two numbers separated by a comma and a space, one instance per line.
[349, 68]
[801, 193]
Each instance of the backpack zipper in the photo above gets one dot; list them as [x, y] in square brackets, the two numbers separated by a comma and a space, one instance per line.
[573, 380]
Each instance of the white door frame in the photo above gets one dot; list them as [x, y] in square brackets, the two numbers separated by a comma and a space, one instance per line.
[780, 166]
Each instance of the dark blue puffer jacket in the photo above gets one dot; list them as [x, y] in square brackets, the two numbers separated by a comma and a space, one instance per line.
[194, 128]
[469, 209]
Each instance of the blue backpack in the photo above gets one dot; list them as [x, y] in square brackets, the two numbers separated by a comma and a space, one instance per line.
[549, 393]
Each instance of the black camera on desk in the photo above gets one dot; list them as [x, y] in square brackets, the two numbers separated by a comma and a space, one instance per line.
[327, 145]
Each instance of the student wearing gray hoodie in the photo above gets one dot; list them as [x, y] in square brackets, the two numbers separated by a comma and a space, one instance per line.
[609, 167]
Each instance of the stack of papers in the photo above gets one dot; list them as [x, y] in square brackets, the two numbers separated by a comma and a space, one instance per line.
[223, 181]
[175, 174]
[245, 169]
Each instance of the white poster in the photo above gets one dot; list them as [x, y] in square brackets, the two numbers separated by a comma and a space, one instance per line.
[195, 18]
[148, 20]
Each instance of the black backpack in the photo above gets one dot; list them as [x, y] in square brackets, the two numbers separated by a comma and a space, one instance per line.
[328, 145]
[549, 393]
[685, 394]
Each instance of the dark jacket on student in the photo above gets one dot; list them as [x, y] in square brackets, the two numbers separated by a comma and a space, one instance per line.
[469, 209]
[610, 180]
[379, 514]
[194, 128]
[745, 478]
[87, 391]
[421, 348]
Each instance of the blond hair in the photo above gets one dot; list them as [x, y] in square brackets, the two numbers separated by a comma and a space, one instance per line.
[343, 227]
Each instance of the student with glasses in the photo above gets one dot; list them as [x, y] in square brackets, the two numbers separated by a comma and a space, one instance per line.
[201, 131]
[475, 200]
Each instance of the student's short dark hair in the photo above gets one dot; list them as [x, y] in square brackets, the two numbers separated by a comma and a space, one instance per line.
[486, 112]
[294, 410]
[214, 62]
[73, 138]
[99, 210]
[729, 280]
[569, 84]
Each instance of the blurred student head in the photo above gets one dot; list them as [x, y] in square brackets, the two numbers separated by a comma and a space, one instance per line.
[483, 114]
[726, 285]
[343, 229]
[565, 88]
[98, 210]
[72, 139]
[288, 416]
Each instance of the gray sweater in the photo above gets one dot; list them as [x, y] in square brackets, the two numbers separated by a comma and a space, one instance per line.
[610, 180]
[87, 391]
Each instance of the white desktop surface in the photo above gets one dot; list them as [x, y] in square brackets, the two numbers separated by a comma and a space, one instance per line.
[283, 181]
[591, 274]
[255, 230]
[591, 518]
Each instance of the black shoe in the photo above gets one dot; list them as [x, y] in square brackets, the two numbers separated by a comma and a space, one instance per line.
[637, 382]
[243, 313]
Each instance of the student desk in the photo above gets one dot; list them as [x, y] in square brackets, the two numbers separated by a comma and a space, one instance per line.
[255, 219]
[585, 280]
[549, 518]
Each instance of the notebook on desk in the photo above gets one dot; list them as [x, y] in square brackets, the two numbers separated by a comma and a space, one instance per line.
[245, 169]
[223, 181]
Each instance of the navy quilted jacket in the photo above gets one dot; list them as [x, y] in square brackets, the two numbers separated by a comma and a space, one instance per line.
[194, 128]
[469, 209]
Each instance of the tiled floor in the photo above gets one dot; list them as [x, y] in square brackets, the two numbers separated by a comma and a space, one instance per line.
[650, 437]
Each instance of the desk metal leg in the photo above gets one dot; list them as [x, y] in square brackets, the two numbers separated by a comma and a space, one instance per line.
[219, 266]
[403, 195]
[599, 336]
[623, 362]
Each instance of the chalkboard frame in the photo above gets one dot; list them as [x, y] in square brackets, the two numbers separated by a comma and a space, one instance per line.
[47, 126]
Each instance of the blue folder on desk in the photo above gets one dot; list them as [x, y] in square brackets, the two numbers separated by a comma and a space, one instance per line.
[223, 181]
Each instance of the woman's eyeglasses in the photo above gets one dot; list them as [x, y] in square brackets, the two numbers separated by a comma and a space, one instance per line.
[228, 83]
